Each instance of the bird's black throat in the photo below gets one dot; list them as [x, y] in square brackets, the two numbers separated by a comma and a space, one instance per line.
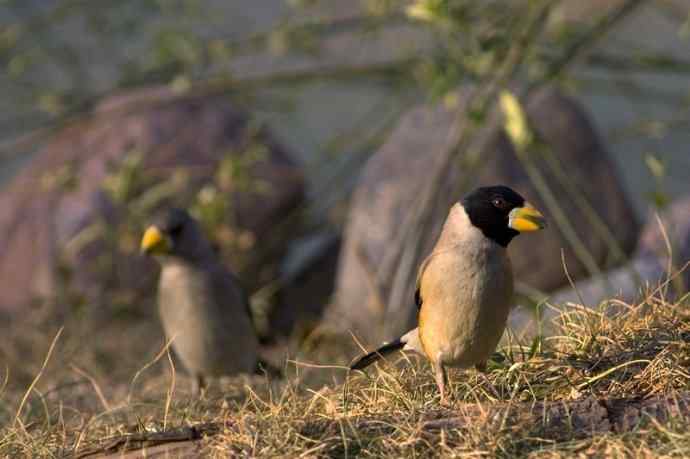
[500, 235]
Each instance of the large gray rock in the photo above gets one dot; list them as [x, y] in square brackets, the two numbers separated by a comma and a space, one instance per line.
[395, 175]
[662, 255]
[653, 270]
[47, 209]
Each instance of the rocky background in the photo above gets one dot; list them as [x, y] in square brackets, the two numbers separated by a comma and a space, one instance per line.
[304, 136]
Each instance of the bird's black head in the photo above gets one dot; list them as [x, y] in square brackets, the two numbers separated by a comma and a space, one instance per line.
[175, 233]
[501, 213]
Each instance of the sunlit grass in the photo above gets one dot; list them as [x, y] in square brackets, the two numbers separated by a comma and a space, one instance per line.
[392, 410]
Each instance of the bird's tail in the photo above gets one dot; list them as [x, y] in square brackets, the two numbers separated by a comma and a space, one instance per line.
[367, 359]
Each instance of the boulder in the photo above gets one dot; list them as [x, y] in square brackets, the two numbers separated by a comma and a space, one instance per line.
[307, 283]
[395, 175]
[652, 264]
[653, 269]
[66, 218]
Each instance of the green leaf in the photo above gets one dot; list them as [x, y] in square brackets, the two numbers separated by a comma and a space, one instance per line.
[515, 120]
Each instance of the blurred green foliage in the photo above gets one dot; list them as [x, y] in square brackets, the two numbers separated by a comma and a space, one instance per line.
[49, 49]
[63, 56]
[59, 58]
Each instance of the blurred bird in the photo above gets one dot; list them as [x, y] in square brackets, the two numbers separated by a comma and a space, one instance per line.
[465, 286]
[201, 304]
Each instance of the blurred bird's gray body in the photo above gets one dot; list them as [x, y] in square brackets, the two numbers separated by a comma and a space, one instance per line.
[201, 308]
[466, 285]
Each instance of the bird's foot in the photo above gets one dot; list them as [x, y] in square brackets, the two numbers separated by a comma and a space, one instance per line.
[199, 387]
[441, 378]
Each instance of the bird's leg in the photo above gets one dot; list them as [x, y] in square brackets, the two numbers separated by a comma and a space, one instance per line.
[481, 369]
[441, 378]
[198, 385]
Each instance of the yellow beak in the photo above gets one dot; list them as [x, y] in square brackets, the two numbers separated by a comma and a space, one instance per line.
[155, 242]
[526, 219]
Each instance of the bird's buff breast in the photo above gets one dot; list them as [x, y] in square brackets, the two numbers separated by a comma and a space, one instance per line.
[466, 301]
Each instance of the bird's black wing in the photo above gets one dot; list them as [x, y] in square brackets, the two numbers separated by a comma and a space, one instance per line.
[227, 288]
[247, 304]
[425, 264]
[418, 291]
[261, 332]
[418, 298]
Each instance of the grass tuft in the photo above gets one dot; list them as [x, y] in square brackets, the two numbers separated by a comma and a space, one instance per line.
[613, 384]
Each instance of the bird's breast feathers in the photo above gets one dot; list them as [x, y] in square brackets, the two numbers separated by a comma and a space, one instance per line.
[466, 294]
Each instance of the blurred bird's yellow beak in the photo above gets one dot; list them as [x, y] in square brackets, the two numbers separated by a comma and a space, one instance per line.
[154, 241]
[526, 219]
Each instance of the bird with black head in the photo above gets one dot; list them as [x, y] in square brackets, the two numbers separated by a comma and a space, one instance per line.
[465, 286]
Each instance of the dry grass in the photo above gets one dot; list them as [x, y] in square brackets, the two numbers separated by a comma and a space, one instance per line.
[639, 352]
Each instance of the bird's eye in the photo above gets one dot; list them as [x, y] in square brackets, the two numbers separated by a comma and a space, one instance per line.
[499, 203]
